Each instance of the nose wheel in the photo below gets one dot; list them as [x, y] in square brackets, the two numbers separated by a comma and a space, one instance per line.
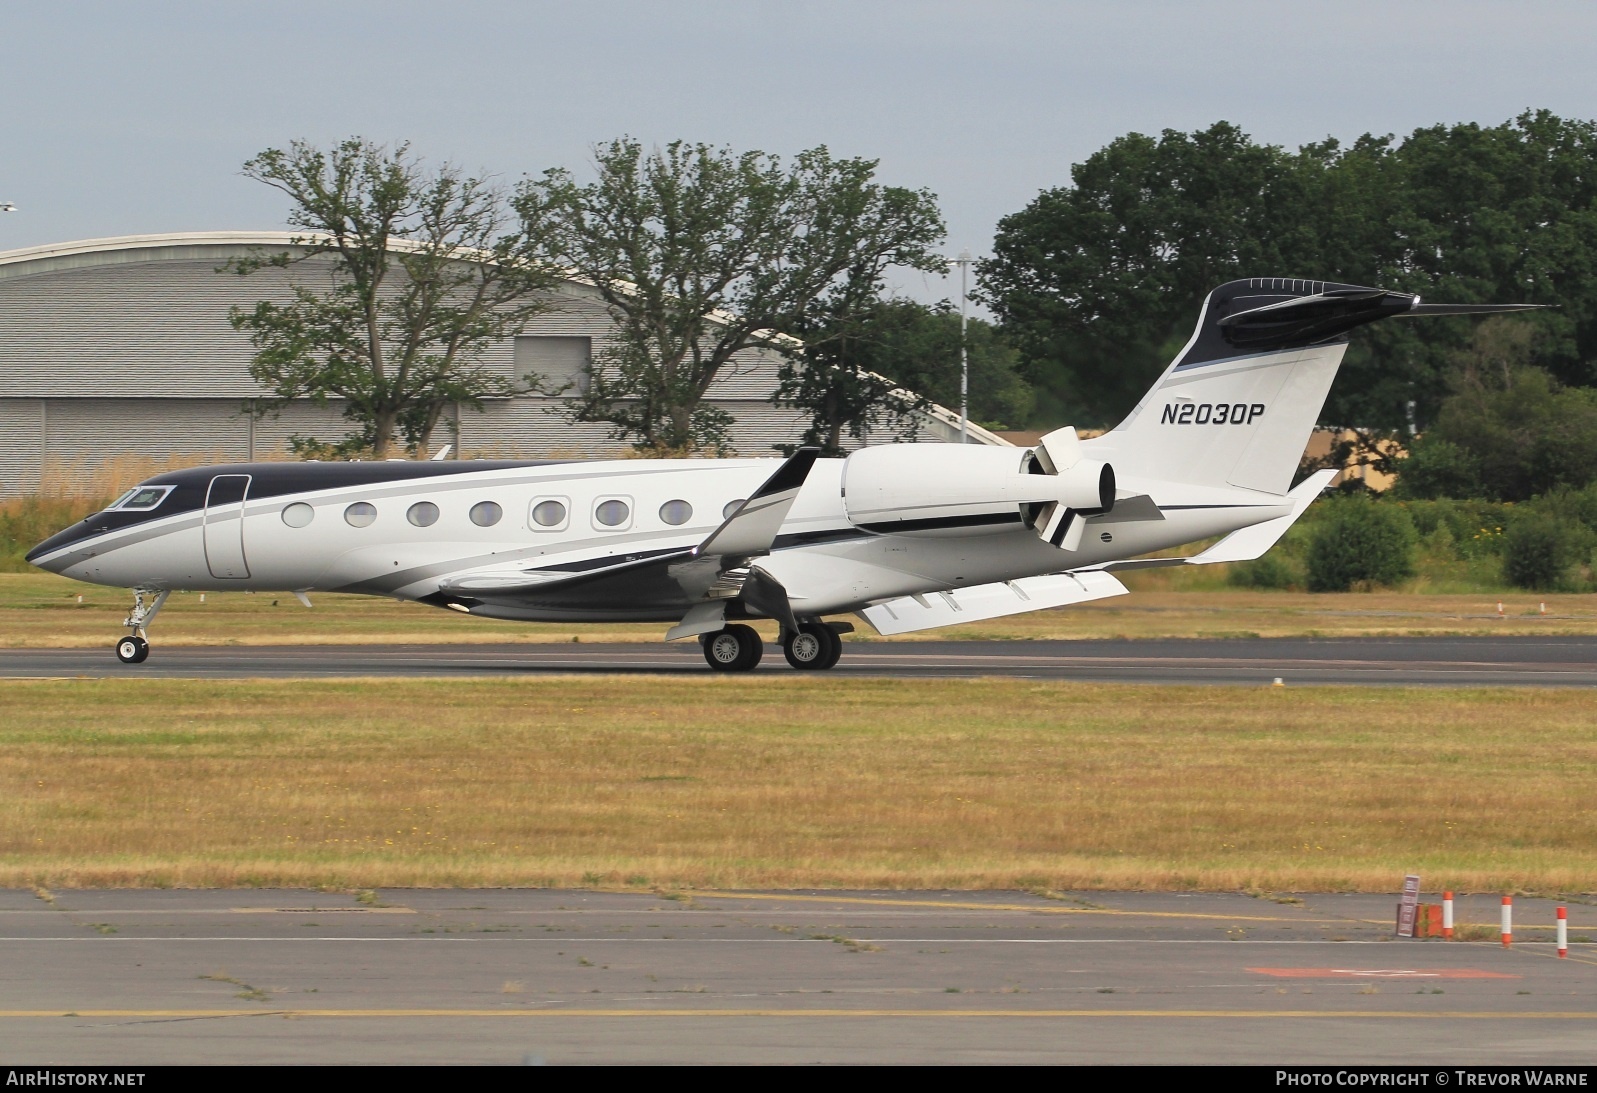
[814, 647]
[132, 650]
[135, 648]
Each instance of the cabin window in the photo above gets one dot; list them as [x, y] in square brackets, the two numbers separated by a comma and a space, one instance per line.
[424, 514]
[361, 514]
[612, 512]
[298, 515]
[676, 512]
[731, 507]
[549, 513]
[485, 514]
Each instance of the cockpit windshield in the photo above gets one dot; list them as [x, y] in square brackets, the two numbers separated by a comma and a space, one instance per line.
[141, 498]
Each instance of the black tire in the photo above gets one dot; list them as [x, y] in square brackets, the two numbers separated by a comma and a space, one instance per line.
[132, 650]
[735, 649]
[813, 647]
[836, 641]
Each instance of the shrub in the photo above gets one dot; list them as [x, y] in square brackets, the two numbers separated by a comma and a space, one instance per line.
[1570, 506]
[1475, 528]
[1359, 541]
[1270, 571]
[1436, 467]
[1540, 548]
[27, 521]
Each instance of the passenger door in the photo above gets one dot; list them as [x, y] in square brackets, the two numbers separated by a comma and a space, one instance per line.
[224, 526]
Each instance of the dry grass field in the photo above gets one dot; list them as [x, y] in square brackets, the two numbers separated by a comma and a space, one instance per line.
[776, 782]
[40, 610]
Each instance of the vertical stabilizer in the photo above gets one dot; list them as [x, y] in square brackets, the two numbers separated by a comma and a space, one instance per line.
[1237, 405]
[1226, 412]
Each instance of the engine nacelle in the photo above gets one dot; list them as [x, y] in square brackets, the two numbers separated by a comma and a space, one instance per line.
[956, 489]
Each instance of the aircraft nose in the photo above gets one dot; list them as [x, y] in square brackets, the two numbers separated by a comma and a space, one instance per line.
[41, 555]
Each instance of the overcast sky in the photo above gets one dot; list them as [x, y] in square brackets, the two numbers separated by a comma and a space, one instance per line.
[124, 118]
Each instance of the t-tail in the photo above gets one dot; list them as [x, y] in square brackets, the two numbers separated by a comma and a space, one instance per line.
[1237, 405]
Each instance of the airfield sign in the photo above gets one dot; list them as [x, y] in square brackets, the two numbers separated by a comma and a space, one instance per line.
[1406, 909]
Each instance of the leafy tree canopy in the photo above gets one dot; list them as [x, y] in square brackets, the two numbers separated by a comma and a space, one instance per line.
[701, 252]
[869, 371]
[1098, 283]
[427, 269]
[1508, 431]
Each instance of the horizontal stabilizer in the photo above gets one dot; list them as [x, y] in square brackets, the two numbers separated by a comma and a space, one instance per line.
[1466, 309]
[1335, 311]
[1248, 543]
[989, 601]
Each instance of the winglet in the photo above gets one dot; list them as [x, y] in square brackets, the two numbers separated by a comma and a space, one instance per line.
[753, 527]
[1240, 546]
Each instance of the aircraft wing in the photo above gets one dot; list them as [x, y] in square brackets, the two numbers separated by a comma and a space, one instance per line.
[510, 582]
[989, 601]
[1246, 544]
[752, 529]
[653, 579]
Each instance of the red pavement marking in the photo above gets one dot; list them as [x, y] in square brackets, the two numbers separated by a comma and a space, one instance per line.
[1381, 973]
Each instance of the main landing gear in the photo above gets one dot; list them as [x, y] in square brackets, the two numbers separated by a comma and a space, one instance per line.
[135, 648]
[736, 649]
[814, 646]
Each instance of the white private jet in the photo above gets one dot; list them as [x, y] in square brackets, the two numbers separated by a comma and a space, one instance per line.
[907, 536]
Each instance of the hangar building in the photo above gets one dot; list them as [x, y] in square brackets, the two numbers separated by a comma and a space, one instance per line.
[113, 346]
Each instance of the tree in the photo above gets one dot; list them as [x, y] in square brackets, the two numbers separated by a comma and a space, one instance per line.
[427, 268]
[701, 253]
[829, 372]
[1098, 283]
[1508, 431]
[855, 373]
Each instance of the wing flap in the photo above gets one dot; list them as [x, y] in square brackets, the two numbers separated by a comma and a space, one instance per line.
[989, 601]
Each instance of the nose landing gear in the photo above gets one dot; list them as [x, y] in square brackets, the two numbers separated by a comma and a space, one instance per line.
[135, 648]
[132, 650]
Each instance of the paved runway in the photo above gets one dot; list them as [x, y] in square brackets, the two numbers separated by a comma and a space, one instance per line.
[1429, 661]
[506, 976]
